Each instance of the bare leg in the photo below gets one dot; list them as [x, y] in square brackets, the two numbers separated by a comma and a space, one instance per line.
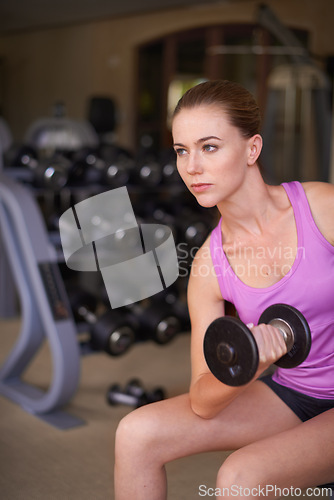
[301, 457]
[156, 434]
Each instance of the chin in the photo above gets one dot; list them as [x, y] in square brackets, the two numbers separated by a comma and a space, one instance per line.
[205, 203]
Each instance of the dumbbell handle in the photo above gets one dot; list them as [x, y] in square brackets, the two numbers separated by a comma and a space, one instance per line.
[115, 396]
[285, 330]
[87, 315]
[227, 355]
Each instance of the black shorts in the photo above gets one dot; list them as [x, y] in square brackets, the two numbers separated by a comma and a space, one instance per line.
[305, 407]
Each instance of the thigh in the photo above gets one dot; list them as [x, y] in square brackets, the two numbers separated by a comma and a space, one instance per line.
[301, 457]
[256, 414]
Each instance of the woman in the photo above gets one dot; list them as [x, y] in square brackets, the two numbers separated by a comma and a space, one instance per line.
[273, 244]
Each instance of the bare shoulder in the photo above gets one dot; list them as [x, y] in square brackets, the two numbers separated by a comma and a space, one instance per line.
[320, 196]
[202, 269]
[318, 189]
[203, 289]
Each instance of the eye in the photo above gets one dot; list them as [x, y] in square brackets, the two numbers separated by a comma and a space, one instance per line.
[209, 148]
[180, 151]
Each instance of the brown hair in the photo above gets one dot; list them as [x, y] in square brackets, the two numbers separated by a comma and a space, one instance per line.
[233, 98]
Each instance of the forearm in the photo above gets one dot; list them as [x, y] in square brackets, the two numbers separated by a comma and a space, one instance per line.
[208, 396]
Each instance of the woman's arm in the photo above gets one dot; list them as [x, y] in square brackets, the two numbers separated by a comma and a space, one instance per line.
[209, 396]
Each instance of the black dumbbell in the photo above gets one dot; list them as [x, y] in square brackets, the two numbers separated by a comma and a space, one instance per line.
[112, 332]
[20, 155]
[116, 396]
[170, 174]
[172, 297]
[158, 321]
[87, 167]
[135, 387]
[119, 165]
[148, 171]
[134, 394]
[231, 351]
[51, 173]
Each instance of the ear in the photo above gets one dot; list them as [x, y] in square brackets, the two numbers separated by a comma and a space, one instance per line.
[254, 149]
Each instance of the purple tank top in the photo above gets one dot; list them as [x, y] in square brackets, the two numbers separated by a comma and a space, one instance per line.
[308, 286]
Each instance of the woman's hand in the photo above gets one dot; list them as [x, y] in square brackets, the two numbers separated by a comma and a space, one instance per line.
[270, 343]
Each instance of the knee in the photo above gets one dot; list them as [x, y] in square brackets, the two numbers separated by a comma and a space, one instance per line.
[136, 432]
[241, 474]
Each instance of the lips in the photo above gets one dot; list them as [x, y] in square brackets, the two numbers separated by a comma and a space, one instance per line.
[200, 187]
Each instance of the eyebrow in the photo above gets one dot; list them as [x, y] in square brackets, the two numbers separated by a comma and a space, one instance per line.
[203, 139]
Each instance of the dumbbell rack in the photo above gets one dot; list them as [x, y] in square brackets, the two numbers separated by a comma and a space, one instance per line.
[46, 313]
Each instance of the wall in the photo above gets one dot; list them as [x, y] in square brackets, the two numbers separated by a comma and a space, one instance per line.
[74, 62]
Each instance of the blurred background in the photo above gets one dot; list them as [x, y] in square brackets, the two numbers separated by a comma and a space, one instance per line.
[143, 55]
[87, 88]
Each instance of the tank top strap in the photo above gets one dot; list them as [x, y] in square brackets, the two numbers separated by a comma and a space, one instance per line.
[299, 203]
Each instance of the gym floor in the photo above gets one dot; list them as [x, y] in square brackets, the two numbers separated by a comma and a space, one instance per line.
[40, 462]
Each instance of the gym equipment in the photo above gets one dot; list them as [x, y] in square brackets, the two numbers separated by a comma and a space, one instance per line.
[158, 321]
[134, 394]
[297, 126]
[135, 388]
[86, 167]
[148, 171]
[172, 298]
[60, 134]
[45, 310]
[50, 173]
[231, 351]
[20, 155]
[102, 114]
[119, 165]
[170, 174]
[112, 332]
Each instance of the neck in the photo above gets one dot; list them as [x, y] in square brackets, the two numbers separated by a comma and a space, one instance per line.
[248, 211]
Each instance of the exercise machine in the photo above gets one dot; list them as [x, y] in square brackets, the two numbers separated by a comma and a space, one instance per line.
[46, 313]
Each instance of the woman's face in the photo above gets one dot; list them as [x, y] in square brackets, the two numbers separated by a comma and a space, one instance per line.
[212, 155]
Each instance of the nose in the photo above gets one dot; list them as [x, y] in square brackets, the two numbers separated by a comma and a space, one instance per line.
[194, 164]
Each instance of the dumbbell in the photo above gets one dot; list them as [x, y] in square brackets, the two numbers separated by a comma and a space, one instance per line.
[148, 171]
[231, 351]
[119, 165]
[135, 388]
[20, 155]
[193, 227]
[172, 297]
[87, 167]
[170, 174]
[51, 173]
[133, 395]
[158, 321]
[112, 332]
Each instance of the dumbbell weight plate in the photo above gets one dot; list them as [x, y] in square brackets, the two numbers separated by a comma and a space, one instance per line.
[301, 333]
[113, 333]
[230, 351]
[157, 394]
